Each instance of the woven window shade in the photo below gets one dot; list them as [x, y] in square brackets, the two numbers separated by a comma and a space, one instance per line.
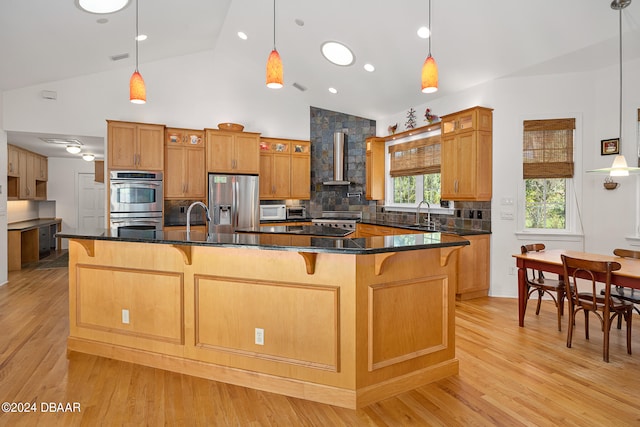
[415, 157]
[547, 150]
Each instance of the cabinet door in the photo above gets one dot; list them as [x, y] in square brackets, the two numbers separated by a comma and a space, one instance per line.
[195, 174]
[473, 270]
[42, 166]
[27, 165]
[281, 176]
[448, 168]
[247, 154]
[219, 152]
[150, 147]
[374, 168]
[466, 165]
[300, 176]
[122, 145]
[13, 165]
[266, 176]
[174, 184]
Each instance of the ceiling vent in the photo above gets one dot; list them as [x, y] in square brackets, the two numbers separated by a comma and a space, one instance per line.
[299, 87]
[119, 57]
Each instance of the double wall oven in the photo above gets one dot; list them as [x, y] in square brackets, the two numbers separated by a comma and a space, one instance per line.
[136, 200]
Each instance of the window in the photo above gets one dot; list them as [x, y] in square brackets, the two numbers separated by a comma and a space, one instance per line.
[414, 170]
[547, 165]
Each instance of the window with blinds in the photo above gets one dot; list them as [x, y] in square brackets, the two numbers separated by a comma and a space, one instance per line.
[547, 150]
[417, 157]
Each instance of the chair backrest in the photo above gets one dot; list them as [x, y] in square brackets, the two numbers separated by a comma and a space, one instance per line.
[588, 271]
[627, 253]
[533, 275]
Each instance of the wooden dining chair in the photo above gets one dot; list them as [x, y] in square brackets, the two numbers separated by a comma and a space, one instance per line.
[621, 292]
[537, 283]
[580, 272]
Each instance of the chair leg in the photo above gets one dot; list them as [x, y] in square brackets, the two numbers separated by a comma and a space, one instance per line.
[570, 326]
[586, 323]
[606, 323]
[559, 309]
[540, 293]
[628, 319]
[620, 321]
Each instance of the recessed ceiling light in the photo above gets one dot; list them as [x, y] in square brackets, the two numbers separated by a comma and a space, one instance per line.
[333, 90]
[141, 37]
[424, 33]
[337, 53]
[102, 6]
[242, 35]
[370, 68]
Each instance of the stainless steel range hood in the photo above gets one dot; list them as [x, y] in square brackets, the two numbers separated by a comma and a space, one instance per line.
[338, 160]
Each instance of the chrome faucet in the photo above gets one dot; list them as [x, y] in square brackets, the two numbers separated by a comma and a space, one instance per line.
[418, 212]
[206, 209]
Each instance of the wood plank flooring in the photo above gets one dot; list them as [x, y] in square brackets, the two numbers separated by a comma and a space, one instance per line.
[509, 376]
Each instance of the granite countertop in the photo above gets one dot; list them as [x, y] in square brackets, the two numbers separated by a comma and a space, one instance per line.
[308, 230]
[282, 242]
[32, 223]
[450, 230]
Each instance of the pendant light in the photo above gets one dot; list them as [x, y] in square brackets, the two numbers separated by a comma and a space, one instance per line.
[619, 166]
[137, 90]
[274, 63]
[429, 68]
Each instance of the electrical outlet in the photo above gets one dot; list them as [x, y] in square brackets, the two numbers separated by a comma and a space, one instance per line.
[125, 316]
[479, 214]
[259, 336]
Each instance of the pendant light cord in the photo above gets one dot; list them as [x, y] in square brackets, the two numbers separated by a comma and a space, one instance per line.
[274, 24]
[620, 111]
[430, 32]
[137, 35]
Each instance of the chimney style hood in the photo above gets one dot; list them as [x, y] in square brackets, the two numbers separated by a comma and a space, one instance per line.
[338, 160]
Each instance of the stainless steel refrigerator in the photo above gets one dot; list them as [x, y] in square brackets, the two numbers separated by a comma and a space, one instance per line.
[234, 201]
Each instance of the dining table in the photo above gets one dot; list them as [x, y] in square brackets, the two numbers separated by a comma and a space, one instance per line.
[551, 261]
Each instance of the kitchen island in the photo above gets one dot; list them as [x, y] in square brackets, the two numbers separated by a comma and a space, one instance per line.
[343, 321]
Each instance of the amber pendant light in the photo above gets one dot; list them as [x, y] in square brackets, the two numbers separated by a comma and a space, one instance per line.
[274, 63]
[429, 68]
[137, 89]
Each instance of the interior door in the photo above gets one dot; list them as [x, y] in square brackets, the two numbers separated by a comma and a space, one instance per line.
[91, 202]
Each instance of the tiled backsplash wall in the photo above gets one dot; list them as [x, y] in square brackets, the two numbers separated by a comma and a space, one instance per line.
[324, 124]
[467, 215]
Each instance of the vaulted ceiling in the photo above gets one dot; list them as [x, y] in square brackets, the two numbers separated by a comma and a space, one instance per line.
[473, 42]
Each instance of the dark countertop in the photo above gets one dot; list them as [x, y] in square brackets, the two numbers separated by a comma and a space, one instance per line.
[308, 230]
[288, 242]
[457, 231]
[32, 223]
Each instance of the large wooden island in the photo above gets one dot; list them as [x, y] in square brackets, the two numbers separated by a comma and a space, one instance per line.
[344, 321]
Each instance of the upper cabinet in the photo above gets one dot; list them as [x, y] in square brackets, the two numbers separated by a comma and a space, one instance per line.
[13, 167]
[285, 169]
[374, 166]
[467, 155]
[300, 169]
[232, 152]
[185, 175]
[26, 175]
[135, 146]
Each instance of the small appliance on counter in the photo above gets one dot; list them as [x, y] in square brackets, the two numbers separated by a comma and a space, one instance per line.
[273, 212]
[296, 212]
[234, 201]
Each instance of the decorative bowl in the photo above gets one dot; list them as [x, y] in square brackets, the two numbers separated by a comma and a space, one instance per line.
[230, 126]
[610, 185]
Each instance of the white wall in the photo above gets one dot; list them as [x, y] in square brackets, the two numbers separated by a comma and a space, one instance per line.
[63, 188]
[3, 201]
[608, 216]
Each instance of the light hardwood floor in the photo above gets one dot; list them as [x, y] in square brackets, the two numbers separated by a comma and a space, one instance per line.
[508, 376]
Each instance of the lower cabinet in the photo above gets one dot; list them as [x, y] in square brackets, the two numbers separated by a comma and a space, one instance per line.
[473, 270]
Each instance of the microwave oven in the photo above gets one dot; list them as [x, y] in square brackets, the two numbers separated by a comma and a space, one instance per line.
[273, 212]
